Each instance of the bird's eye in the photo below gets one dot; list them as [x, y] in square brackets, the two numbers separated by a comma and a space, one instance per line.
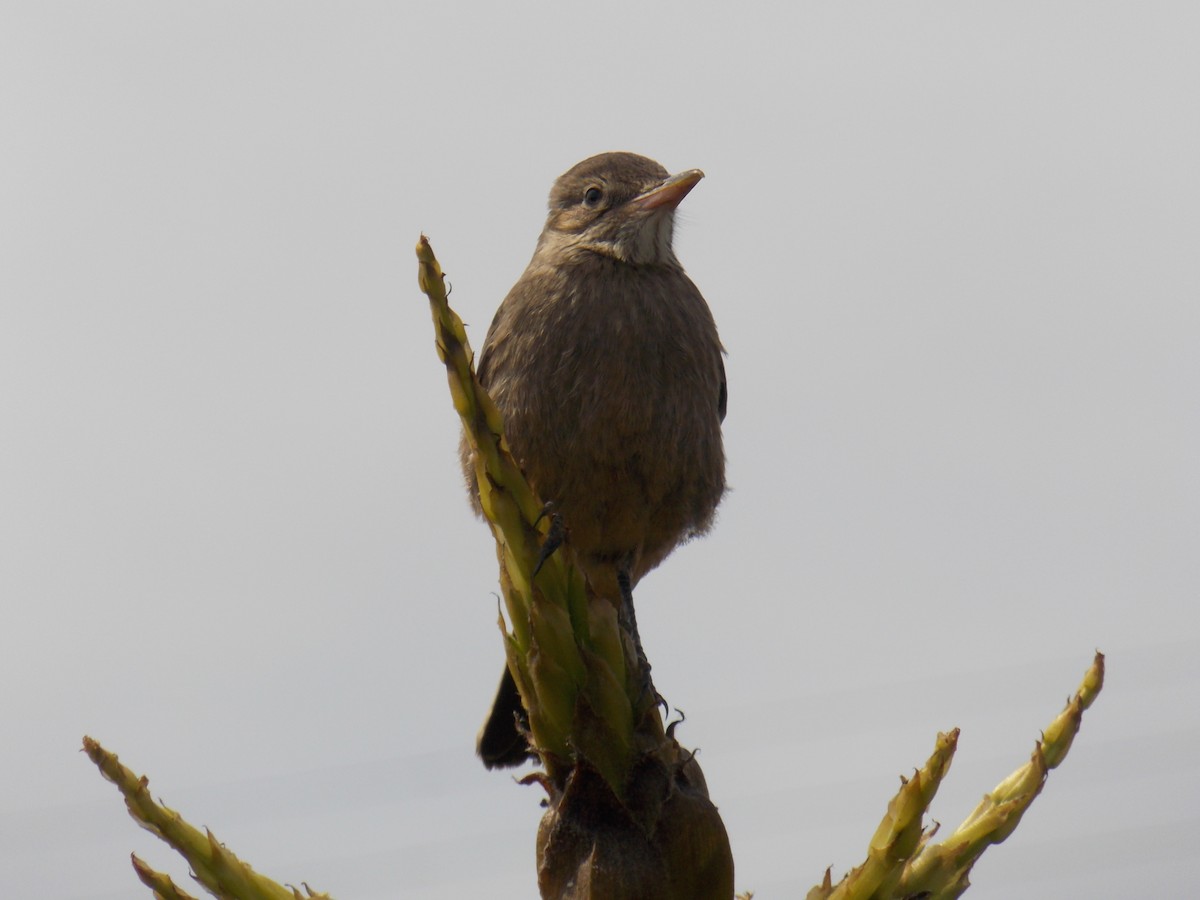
[592, 196]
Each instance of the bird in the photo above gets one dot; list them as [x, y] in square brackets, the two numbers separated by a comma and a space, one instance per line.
[606, 366]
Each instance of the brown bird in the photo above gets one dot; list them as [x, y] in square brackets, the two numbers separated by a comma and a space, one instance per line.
[606, 366]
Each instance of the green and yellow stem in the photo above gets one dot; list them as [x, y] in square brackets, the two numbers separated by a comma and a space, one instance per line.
[566, 655]
[902, 863]
[216, 868]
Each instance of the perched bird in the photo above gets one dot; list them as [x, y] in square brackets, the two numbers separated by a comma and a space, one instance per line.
[606, 366]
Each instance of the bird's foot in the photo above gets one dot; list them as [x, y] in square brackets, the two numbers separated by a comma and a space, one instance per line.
[628, 619]
[554, 538]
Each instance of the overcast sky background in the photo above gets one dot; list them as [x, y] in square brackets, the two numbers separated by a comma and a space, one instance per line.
[952, 251]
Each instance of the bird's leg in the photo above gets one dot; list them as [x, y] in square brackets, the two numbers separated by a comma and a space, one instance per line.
[628, 619]
[554, 538]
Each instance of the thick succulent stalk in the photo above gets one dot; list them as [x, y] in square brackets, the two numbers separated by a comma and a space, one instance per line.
[629, 814]
[902, 863]
[162, 885]
[213, 866]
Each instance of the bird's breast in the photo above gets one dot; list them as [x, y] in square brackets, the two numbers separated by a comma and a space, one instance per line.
[608, 377]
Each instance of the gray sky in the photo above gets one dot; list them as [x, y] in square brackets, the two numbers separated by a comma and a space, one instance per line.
[952, 251]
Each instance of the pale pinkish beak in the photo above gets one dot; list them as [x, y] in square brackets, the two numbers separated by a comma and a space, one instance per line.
[670, 193]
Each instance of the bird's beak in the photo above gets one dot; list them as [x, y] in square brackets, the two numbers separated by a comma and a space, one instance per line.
[670, 193]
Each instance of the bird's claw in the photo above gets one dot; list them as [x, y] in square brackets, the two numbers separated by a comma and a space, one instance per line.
[554, 538]
[628, 619]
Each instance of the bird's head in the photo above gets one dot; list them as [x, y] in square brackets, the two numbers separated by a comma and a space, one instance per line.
[619, 205]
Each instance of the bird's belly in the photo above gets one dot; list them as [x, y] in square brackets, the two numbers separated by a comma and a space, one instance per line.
[627, 497]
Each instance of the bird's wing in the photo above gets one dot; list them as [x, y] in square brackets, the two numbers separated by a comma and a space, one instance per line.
[489, 348]
[723, 397]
